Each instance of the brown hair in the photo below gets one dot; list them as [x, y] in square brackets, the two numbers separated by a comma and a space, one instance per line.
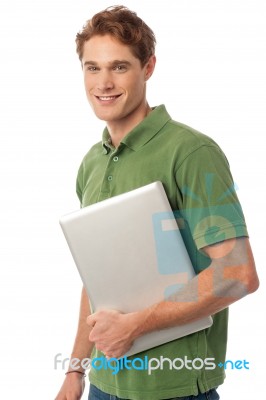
[125, 26]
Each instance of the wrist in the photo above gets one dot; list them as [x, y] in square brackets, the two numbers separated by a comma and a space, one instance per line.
[76, 373]
[78, 362]
[140, 322]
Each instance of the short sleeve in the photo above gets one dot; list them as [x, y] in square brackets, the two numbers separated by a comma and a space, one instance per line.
[208, 202]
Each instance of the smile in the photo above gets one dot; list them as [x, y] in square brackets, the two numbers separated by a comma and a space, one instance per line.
[108, 98]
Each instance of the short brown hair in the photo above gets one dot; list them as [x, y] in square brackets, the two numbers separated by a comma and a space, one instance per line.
[125, 26]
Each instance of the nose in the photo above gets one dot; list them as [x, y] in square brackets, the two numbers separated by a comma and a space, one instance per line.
[105, 81]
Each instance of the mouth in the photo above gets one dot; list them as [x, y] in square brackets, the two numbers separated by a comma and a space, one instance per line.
[108, 98]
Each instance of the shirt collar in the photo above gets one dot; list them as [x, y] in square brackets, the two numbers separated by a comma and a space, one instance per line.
[143, 132]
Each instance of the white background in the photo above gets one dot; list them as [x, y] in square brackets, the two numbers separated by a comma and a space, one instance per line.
[210, 74]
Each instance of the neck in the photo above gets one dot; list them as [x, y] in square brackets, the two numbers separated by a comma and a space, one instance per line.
[119, 129]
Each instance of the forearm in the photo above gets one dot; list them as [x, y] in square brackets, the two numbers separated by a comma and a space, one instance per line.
[195, 301]
[82, 346]
[211, 291]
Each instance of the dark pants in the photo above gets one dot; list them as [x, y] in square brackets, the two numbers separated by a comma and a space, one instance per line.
[97, 394]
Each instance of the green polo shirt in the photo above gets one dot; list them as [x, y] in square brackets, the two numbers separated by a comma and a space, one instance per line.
[200, 188]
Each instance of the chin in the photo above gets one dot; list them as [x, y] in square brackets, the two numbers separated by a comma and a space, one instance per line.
[107, 116]
[104, 117]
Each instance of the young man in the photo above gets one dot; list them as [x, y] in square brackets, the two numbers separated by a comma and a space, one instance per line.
[141, 145]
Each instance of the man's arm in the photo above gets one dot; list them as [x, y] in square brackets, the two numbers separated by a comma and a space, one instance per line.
[231, 276]
[73, 385]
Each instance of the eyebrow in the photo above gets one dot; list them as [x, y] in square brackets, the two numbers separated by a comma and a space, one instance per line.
[111, 63]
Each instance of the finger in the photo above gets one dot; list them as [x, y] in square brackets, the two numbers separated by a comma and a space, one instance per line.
[92, 337]
[90, 321]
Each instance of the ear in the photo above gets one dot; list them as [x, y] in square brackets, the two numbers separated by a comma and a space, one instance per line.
[149, 67]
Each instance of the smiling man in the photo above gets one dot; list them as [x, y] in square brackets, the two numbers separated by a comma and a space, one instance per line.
[140, 145]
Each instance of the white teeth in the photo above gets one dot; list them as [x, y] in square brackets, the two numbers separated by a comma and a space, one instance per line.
[107, 98]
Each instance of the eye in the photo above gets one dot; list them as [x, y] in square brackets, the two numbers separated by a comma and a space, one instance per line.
[92, 68]
[120, 68]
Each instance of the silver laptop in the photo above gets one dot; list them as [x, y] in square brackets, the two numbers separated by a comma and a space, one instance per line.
[130, 254]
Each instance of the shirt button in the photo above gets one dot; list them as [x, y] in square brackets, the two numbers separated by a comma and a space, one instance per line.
[115, 159]
[110, 178]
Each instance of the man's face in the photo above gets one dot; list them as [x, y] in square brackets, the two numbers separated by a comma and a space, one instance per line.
[115, 81]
